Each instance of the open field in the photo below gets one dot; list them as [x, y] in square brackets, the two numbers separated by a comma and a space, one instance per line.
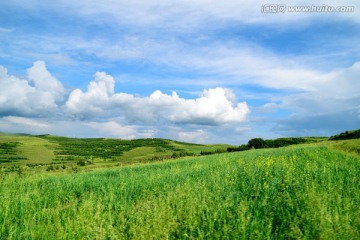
[306, 191]
[350, 146]
[47, 152]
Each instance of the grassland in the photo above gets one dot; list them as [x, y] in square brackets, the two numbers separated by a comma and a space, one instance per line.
[26, 148]
[53, 153]
[306, 191]
[350, 146]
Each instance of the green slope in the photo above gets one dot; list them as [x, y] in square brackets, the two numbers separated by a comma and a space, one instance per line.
[299, 192]
[354, 134]
[351, 146]
[31, 151]
[27, 149]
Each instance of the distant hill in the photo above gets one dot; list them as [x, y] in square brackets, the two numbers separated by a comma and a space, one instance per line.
[346, 135]
[49, 149]
[257, 143]
[301, 192]
[26, 149]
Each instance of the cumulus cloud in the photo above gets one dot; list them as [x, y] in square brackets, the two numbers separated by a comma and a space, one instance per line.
[43, 81]
[198, 136]
[42, 95]
[15, 124]
[102, 111]
[114, 129]
[213, 107]
[22, 121]
[37, 95]
[95, 100]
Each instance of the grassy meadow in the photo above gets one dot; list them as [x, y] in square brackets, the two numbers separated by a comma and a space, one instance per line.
[308, 191]
[53, 153]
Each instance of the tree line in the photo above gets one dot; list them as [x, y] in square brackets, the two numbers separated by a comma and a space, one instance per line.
[257, 143]
[346, 135]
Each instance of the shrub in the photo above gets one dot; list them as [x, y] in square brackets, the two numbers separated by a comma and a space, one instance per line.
[81, 163]
[50, 168]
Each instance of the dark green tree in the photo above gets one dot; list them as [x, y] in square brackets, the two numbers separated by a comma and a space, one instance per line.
[256, 143]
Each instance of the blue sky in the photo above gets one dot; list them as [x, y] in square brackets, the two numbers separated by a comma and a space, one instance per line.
[200, 71]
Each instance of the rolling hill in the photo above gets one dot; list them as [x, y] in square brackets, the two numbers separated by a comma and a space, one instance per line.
[306, 191]
[36, 151]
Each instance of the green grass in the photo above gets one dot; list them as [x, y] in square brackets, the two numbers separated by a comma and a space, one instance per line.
[47, 152]
[9, 152]
[37, 150]
[106, 149]
[25, 150]
[197, 148]
[351, 146]
[298, 192]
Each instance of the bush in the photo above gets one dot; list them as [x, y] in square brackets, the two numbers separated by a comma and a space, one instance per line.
[75, 169]
[50, 168]
[181, 154]
[81, 163]
[242, 147]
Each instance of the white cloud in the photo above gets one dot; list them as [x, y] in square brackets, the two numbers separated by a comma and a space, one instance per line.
[25, 122]
[36, 96]
[41, 95]
[114, 129]
[240, 63]
[95, 101]
[103, 112]
[193, 13]
[213, 106]
[197, 136]
[150, 36]
[246, 65]
[43, 81]
[331, 106]
[338, 92]
[343, 83]
[156, 41]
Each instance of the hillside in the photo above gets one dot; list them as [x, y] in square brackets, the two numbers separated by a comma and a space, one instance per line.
[354, 134]
[61, 152]
[306, 191]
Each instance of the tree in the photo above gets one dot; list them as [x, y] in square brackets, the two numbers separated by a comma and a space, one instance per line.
[256, 143]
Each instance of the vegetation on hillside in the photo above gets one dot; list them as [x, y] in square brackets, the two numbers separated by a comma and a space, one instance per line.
[346, 135]
[9, 152]
[350, 146]
[55, 153]
[108, 149]
[257, 143]
[302, 192]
